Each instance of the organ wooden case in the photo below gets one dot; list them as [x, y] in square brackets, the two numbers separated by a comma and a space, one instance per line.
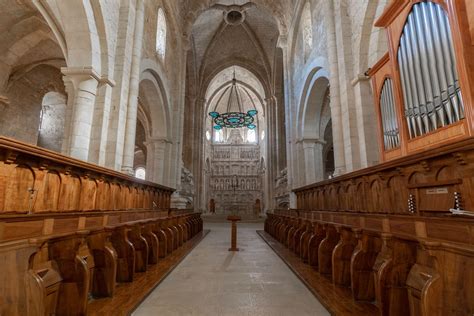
[422, 85]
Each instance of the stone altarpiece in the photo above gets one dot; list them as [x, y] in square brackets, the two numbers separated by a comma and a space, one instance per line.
[235, 177]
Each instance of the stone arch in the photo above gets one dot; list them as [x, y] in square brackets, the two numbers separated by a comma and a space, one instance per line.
[154, 122]
[373, 39]
[313, 117]
[222, 81]
[248, 65]
[312, 103]
[154, 101]
[81, 32]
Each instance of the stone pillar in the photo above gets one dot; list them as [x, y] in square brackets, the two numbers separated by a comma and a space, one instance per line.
[199, 155]
[336, 113]
[271, 149]
[367, 130]
[131, 121]
[70, 91]
[84, 81]
[313, 158]
[156, 153]
[100, 122]
[120, 93]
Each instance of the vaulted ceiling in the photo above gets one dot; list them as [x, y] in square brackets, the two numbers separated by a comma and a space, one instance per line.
[220, 37]
[25, 41]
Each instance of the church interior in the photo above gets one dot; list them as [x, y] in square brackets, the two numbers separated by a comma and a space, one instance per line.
[328, 143]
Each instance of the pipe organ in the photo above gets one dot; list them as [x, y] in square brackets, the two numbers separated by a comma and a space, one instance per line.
[421, 86]
[391, 135]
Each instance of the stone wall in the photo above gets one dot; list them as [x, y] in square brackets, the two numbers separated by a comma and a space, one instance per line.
[20, 118]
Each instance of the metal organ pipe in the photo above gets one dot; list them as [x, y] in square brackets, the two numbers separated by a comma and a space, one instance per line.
[393, 115]
[407, 94]
[428, 74]
[390, 129]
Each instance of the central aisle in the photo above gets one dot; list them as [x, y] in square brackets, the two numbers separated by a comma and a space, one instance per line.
[213, 281]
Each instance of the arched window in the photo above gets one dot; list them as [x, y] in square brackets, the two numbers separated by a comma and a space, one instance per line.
[307, 29]
[208, 135]
[219, 136]
[161, 34]
[251, 136]
[140, 173]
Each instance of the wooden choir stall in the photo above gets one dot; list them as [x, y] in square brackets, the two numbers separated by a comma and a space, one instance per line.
[70, 231]
[398, 238]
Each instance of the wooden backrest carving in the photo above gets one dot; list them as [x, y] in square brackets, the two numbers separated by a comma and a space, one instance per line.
[433, 183]
[35, 180]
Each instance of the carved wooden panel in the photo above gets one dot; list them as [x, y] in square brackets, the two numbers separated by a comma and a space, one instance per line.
[429, 183]
[34, 180]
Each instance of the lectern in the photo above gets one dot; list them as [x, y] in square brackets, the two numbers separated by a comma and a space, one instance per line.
[234, 219]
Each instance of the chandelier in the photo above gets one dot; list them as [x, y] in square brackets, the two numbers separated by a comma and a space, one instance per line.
[234, 119]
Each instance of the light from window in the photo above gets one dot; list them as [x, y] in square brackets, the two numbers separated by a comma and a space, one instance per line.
[263, 135]
[208, 135]
[219, 136]
[140, 173]
[251, 136]
[161, 34]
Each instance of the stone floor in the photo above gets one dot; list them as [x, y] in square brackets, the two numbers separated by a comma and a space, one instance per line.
[213, 281]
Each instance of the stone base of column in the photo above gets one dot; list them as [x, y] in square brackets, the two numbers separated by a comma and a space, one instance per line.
[180, 202]
[128, 171]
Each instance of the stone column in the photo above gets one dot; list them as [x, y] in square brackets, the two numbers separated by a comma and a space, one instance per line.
[271, 150]
[131, 121]
[156, 153]
[100, 122]
[336, 113]
[313, 158]
[84, 81]
[367, 130]
[70, 91]
[309, 162]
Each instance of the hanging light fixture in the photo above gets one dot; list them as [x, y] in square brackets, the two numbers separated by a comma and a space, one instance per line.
[234, 119]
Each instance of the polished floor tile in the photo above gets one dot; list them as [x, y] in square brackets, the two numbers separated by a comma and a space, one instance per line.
[213, 281]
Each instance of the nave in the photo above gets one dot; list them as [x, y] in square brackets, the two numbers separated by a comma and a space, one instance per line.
[213, 281]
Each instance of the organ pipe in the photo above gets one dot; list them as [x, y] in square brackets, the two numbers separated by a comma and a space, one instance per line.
[390, 128]
[428, 74]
